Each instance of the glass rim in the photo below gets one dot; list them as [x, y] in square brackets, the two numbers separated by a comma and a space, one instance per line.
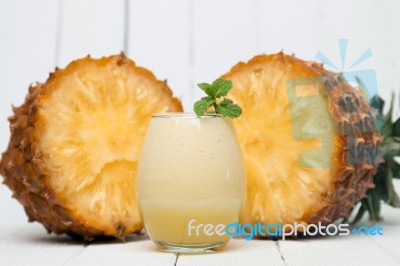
[185, 115]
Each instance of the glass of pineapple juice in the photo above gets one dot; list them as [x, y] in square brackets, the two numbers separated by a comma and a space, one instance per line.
[190, 178]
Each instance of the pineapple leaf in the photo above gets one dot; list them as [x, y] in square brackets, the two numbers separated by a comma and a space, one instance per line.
[360, 213]
[396, 128]
[395, 167]
[392, 199]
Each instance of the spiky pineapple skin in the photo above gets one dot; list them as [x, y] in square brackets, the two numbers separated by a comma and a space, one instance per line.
[354, 166]
[358, 165]
[24, 170]
[20, 167]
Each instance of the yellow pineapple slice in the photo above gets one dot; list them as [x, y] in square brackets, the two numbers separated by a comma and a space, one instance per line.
[303, 134]
[74, 147]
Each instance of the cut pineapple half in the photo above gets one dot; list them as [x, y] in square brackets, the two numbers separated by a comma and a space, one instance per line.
[89, 122]
[294, 153]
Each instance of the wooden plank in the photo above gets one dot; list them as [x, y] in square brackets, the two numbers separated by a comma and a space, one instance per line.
[306, 27]
[94, 27]
[290, 25]
[10, 229]
[27, 52]
[392, 64]
[13, 212]
[352, 249]
[33, 246]
[159, 39]
[358, 25]
[138, 250]
[348, 250]
[237, 252]
[389, 242]
[224, 32]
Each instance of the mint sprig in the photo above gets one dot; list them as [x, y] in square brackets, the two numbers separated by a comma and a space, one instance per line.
[219, 88]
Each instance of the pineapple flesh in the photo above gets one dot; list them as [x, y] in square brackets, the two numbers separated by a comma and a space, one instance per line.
[74, 146]
[303, 134]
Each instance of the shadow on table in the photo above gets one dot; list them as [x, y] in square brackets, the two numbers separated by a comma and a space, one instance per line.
[50, 238]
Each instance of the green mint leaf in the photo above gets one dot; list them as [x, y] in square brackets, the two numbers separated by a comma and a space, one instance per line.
[229, 109]
[221, 87]
[208, 89]
[200, 107]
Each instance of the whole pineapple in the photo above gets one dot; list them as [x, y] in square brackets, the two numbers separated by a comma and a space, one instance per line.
[309, 141]
[72, 158]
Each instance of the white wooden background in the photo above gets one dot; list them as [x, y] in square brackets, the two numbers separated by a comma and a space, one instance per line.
[187, 42]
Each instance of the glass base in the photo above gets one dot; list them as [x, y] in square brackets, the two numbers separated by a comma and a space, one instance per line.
[190, 248]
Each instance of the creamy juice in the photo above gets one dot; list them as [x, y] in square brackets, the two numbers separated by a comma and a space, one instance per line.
[190, 168]
[168, 220]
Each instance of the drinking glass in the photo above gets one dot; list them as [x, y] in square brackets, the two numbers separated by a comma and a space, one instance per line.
[190, 181]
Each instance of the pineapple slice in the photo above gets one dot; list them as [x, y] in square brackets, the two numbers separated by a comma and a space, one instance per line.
[302, 132]
[75, 143]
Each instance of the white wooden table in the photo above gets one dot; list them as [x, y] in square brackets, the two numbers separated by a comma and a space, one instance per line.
[29, 244]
